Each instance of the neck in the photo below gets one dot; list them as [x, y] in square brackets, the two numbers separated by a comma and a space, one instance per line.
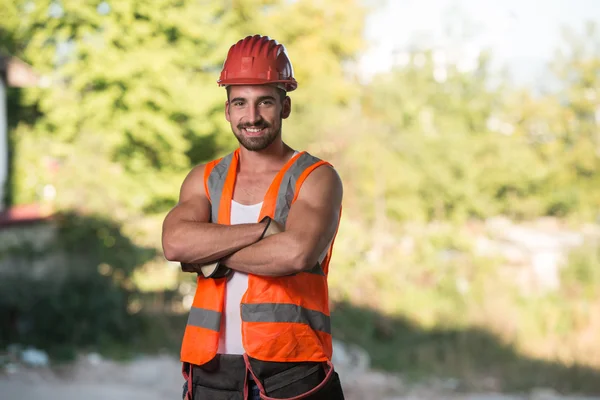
[273, 157]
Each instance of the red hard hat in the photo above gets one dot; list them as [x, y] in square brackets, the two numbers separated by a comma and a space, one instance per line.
[258, 60]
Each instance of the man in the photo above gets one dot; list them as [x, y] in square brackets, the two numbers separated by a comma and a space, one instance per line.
[266, 217]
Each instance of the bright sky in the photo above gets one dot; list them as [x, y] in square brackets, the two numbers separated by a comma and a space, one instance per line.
[522, 34]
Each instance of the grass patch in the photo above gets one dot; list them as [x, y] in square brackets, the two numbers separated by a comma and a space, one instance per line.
[429, 306]
[474, 356]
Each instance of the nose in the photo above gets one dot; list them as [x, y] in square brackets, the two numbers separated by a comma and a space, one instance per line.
[253, 115]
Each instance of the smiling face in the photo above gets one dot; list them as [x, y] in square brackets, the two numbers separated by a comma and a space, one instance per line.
[255, 114]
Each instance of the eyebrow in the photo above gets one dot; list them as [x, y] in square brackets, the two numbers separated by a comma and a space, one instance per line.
[261, 98]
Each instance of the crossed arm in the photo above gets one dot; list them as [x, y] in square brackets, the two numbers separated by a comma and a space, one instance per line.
[189, 237]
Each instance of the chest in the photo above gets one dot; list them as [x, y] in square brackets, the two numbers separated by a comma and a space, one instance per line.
[251, 188]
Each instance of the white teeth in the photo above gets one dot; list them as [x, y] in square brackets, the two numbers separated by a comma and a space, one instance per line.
[253, 130]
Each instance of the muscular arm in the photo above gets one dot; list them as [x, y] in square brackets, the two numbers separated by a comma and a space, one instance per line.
[311, 224]
[189, 237]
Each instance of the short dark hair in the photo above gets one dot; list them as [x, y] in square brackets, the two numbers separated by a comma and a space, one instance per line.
[282, 93]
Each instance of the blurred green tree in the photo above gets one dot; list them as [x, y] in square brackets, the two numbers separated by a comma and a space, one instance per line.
[563, 126]
[133, 102]
[442, 147]
[446, 139]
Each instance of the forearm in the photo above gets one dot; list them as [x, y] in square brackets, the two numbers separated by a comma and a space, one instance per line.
[203, 242]
[277, 255]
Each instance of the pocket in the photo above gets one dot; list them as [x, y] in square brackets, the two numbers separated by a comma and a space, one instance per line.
[332, 390]
[205, 393]
[222, 378]
[294, 381]
[307, 384]
[304, 383]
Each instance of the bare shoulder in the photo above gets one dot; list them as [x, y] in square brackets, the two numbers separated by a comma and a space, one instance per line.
[193, 204]
[323, 182]
[193, 184]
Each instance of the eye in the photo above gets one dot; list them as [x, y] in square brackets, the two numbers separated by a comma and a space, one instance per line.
[267, 102]
[238, 103]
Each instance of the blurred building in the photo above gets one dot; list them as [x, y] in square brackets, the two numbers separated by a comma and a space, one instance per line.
[13, 73]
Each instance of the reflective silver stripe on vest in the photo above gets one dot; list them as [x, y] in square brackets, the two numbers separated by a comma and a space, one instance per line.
[275, 312]
[216, 181]
[288, 186]
[204, 318]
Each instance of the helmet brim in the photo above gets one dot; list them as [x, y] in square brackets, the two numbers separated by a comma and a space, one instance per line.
[287, 85]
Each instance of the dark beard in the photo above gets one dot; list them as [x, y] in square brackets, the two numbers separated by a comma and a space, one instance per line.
[260, 142]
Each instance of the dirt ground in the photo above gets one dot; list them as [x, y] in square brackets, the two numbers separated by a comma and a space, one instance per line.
[158, 377]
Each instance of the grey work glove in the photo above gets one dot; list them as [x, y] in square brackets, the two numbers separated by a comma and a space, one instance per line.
[272, 228]
[208, 270]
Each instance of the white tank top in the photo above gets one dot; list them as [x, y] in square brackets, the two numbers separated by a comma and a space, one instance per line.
[230, 341]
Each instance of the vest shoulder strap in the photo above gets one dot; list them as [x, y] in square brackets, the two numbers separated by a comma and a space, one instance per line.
[292, 182]
[214, 180]
[207, 171]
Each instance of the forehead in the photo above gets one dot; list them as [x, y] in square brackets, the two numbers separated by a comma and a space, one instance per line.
[252, 91]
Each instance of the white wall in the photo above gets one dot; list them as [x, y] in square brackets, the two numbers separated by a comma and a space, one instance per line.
[3, 144]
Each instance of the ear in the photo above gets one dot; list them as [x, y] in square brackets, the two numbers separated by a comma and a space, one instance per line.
[286, 109]
[227, 117]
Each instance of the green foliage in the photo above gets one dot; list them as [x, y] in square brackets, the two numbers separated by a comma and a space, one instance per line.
[477, 359]
[440, 143]
[134, 100]
[429, 306]
[581, 276]
[81, 293]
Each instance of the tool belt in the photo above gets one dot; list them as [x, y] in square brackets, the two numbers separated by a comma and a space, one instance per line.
[225, 377]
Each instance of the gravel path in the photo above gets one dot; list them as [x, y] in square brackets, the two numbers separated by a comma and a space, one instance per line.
[158, 377]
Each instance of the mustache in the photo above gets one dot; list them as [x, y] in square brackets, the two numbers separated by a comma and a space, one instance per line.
[260, 124]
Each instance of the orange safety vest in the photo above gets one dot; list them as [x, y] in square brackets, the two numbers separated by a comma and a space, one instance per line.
[285, 318]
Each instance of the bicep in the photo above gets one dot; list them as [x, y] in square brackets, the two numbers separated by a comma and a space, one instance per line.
[193, 204]
[314, 216]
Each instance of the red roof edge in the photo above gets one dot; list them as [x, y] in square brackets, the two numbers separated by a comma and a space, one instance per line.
[23, 214]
